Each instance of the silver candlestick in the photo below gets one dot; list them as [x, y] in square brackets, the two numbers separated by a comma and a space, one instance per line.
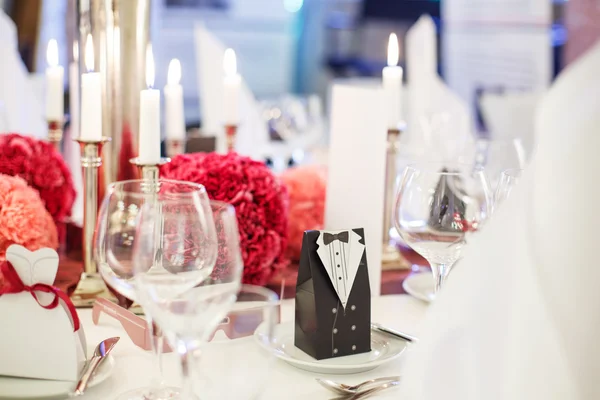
[391, 256]
[55, 133]
[90, 284]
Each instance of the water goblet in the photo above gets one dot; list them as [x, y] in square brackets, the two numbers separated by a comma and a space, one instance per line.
[118, 232]
[437, 207]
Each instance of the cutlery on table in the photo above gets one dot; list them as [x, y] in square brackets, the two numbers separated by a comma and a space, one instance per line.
[393, 332]
[367, 393]
[346, 390]
[100, 353]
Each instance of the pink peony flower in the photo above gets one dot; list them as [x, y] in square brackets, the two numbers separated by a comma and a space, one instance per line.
[23, 218]
[306, 187]
[259, 199]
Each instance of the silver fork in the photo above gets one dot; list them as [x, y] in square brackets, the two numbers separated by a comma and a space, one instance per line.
[370, 392]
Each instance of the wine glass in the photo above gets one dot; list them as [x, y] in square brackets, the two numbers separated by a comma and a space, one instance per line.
[508, 180]
[233, 351]
[118, 232]
[189, 302]
[497, 155]
[437, 206]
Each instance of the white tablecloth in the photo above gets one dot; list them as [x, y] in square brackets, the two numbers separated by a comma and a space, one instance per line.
[134, 366]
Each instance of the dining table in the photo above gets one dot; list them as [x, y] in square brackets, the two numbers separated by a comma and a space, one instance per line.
[134, 367]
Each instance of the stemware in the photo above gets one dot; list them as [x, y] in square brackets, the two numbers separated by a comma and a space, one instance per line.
[437, 206]
[233, 356]
[188, 299]
[120, 228]
[508, 180]
[497, 155]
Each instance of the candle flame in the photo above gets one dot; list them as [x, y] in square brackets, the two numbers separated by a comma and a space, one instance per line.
[230, 63]
[52, 53]
[76, 51]
[89, 53]
[149, 66]
[393, 51]
[174, 74]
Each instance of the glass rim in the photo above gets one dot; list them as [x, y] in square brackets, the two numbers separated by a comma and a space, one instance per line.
[430, 168]
[270, 297]
[114, 186]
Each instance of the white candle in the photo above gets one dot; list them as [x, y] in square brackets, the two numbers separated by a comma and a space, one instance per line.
[231, 89]
[55, 73]
[91, 97]
[74, 91]
[392, 84]
[174, 116]
[149, 150]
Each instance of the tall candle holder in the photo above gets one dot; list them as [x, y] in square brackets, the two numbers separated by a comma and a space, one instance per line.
[55, 133]
[149, 171]
[230, 136]
[391, 256]
[90, 284]
[174, 147]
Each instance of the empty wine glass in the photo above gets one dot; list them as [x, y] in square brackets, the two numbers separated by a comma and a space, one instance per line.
[187, 298]
[120, 228]
[497, 155]
[236, 351]
[436, 207]
[508, 180]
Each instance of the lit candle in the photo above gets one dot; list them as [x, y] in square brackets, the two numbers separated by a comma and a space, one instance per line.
[174, 116]
[149, 150]
[74, 91]
[91, 97]
[392, 84]
[231, 88]
[54, 84]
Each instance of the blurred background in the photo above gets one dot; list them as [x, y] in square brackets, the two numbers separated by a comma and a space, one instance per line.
[300, 46]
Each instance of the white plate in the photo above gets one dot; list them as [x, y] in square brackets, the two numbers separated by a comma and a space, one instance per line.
[420, 286]
[384, 348]
[38, 389]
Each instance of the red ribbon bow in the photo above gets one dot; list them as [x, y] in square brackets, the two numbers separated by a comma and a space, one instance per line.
[16, 285]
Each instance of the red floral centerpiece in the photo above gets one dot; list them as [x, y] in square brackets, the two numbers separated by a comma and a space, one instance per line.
[23, 218]
[259, 199]
[306, 186]
[43, 168]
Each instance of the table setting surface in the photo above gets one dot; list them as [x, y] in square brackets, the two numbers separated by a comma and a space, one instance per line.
[133, 366]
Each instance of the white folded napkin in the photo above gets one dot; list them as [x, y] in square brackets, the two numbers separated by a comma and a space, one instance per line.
[519, 317]
[21, 110]
[252, 136]
[438, 120]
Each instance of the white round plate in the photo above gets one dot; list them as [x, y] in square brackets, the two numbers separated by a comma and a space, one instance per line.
[420, 286]
[384, 348]
[39, 389]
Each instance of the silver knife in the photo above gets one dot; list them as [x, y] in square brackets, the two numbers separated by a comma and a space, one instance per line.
[401, 335]
[100, 354]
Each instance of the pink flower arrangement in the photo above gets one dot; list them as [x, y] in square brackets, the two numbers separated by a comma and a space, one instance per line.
[23, 218]
[306, 187]
[43, 168]
[260, 202]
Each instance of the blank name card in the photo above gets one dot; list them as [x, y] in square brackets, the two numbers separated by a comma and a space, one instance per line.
[356, 184]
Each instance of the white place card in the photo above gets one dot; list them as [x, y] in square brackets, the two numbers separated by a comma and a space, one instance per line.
[356, 187]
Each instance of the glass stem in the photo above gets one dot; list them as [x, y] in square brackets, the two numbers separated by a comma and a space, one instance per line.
[187, 389]
[157, 340]
[440, 273]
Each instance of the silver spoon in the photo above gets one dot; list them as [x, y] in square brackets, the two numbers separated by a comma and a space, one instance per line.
[346, 390]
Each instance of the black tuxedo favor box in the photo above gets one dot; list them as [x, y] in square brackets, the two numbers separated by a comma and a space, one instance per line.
[324, 328]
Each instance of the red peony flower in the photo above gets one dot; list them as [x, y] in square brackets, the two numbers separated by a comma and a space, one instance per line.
[23, 218]
[306, 186]
[43, 168]
[259, 199]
